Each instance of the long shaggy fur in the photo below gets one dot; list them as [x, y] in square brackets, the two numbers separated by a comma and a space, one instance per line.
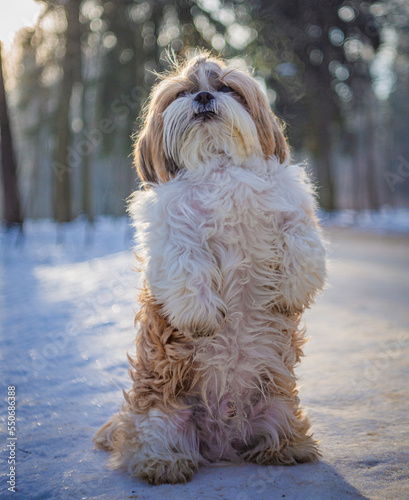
[231, 254]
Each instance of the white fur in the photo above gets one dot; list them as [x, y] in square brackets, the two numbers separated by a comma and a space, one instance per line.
[190, 142]
[195, 231]
[240, 240]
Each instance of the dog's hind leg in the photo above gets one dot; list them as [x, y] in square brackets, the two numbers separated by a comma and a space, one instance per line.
[168, 449]
[157, 446]
[281, 436]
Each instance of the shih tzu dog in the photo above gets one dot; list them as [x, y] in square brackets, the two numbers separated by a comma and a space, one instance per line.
[231, 254]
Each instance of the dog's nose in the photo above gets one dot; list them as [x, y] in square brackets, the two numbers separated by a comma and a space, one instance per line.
[204, 97]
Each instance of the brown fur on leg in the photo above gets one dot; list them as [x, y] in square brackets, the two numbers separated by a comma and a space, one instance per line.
[162, 374]
[102, 438]
[163, 369]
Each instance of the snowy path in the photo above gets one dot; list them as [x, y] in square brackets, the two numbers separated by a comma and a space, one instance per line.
[67, 322]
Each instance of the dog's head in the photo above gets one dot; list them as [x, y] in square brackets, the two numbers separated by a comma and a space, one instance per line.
[203, 109]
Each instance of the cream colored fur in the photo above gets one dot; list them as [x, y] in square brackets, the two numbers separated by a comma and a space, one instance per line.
[230, 254]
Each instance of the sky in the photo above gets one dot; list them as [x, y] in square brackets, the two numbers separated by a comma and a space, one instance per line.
[14, 14]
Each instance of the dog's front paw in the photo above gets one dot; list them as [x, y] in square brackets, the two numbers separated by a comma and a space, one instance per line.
[211, 328]
[202, 322]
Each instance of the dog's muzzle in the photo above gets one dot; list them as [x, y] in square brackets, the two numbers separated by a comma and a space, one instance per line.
[204, 104]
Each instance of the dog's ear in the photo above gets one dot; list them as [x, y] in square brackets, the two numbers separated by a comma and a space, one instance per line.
[269, 129]
[143, 160]
[149, 157]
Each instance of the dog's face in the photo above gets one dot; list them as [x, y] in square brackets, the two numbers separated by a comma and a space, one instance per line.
[201, 110]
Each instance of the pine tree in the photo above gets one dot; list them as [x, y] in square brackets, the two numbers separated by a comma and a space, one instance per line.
[12, 212]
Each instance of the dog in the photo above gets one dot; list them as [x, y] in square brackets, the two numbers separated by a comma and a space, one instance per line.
[231, 253]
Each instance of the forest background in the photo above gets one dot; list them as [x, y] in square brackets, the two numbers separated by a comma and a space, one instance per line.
[336, 72]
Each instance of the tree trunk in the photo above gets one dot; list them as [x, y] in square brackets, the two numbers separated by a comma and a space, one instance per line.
[66, 160]
[324, 163]
[371, 158]
[86, 193]
[12, 211]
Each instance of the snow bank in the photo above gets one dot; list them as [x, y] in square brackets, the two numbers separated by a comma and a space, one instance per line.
[386, 220]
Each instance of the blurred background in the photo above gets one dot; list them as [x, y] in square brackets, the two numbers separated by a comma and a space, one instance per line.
[76, 74]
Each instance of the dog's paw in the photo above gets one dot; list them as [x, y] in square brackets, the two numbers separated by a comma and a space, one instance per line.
[161, 472]
[290, 454]
[214, 324]
[199, 318]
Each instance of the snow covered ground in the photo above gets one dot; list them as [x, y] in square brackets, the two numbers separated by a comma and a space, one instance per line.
[67, 307]
[386, 220]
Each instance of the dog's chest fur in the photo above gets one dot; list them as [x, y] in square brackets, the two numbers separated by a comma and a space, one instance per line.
[243, 233]
[235, 212]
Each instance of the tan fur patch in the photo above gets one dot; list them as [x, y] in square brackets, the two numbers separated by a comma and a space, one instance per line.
[163, 371]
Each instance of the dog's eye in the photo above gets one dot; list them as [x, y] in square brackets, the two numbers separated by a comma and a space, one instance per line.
[225, 89]
[181, 94]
